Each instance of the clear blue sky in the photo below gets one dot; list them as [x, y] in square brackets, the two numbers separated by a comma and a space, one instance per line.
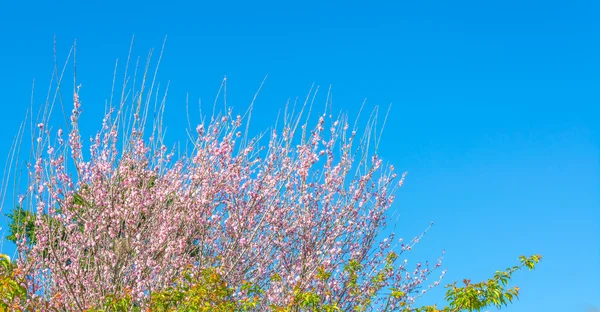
[495, 106]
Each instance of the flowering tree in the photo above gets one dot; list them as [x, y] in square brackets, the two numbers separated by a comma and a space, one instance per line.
[288, 222]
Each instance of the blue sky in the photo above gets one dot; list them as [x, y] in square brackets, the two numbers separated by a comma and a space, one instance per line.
[495, 107]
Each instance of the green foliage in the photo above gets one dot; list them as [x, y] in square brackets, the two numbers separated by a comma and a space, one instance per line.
[478, 296]
[208, 291]
[353, 267]
[12, 290]
[114, 303]
[22, 222]
[323, 275]
[378, 282]
[307, 301]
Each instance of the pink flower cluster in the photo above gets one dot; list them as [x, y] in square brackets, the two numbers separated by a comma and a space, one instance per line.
[133, 216]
